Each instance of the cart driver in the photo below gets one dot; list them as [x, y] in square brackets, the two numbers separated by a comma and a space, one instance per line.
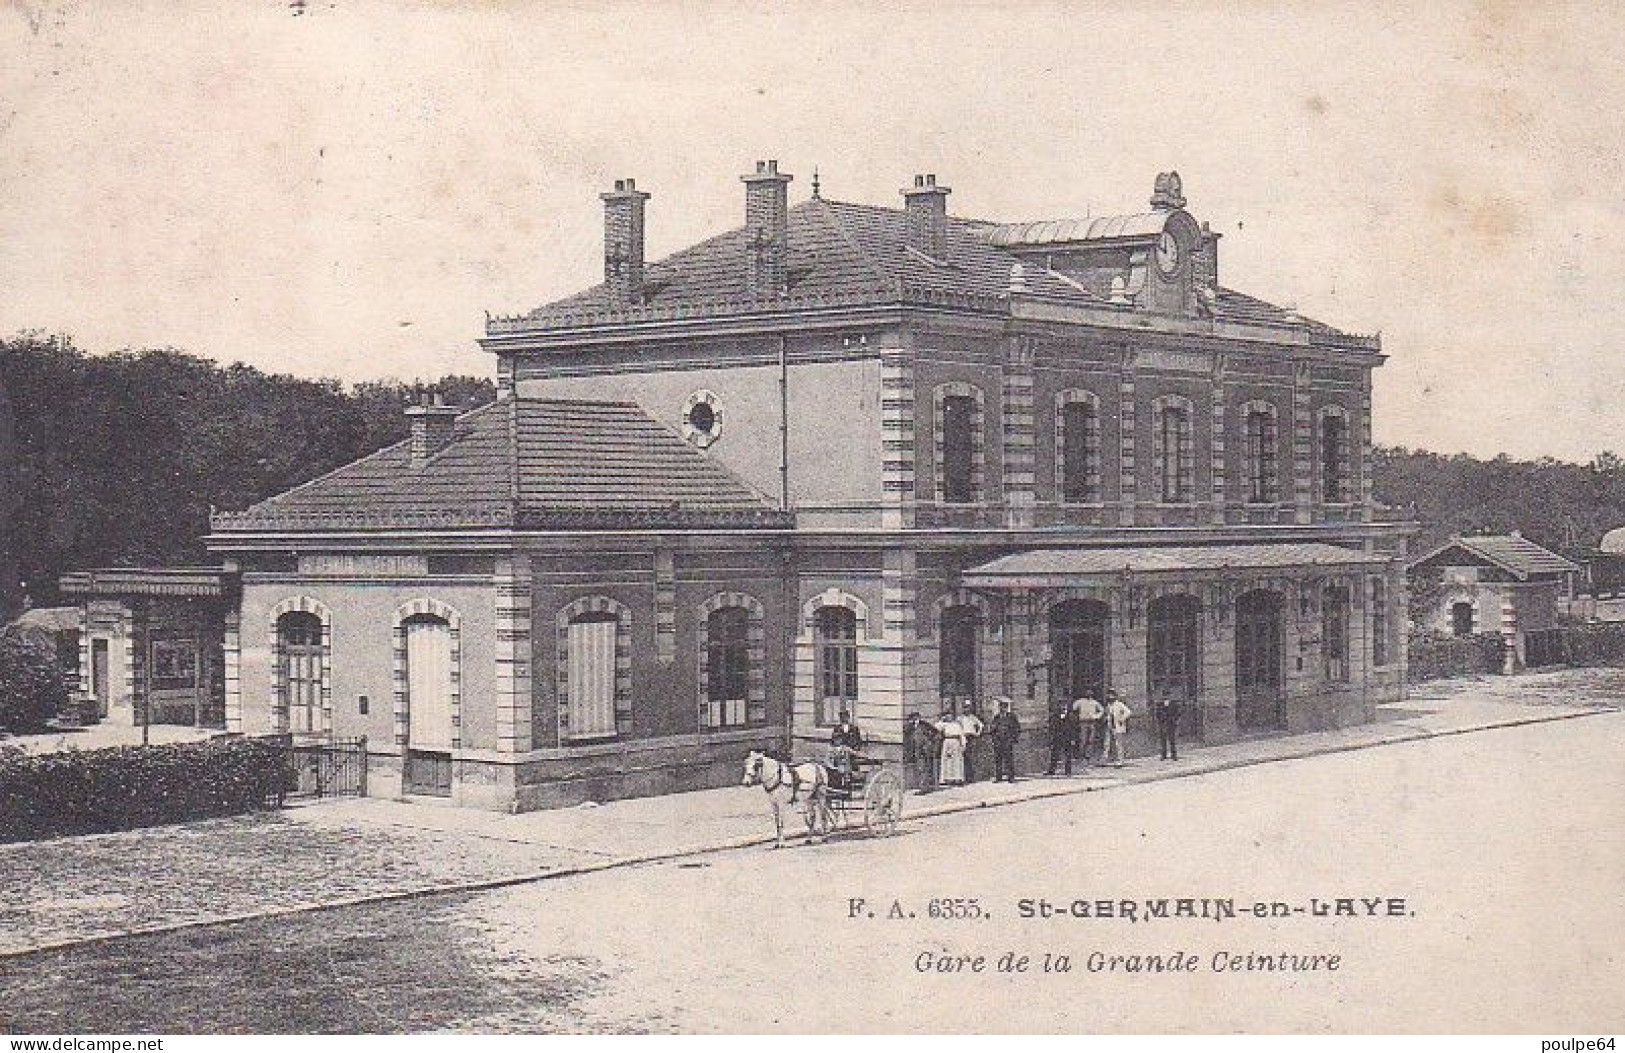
[845, 745]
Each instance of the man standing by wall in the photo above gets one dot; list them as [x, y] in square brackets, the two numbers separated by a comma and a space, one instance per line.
[1004, 731]
[1168, 726]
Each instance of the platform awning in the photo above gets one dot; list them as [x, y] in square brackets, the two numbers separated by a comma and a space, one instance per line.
[1059, 567]
[148, 581]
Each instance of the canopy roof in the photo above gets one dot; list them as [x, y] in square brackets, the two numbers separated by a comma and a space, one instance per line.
[1056, 567]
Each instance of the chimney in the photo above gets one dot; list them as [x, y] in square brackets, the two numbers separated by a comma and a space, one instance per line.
[925, 209]
[1205, 260]
[433, 426]
[623, 240]
[767, 226]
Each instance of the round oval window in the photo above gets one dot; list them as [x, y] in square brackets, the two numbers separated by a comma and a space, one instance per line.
[702, 418]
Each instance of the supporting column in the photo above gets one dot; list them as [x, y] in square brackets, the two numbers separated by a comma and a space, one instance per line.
[1303, 446]
[1218, 440]
[1018, 432]
[886, 665]
[1360, 449]
[665, 607]
[514, 702]
[897, 438]
[1126, 476]
[231, 655]
[1217, 695]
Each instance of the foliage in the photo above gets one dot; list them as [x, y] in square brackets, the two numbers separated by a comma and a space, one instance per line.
[32, 689]
[92, 791]
[1431, 657]
[119, 458]
[1595, 643]
[1565, 507]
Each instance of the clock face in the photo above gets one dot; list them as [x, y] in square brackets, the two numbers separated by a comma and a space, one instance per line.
[1167, 253]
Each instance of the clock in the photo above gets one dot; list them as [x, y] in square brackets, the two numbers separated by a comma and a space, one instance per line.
[1167, 254]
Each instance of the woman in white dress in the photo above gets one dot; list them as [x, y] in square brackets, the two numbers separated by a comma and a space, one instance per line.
[953, 749]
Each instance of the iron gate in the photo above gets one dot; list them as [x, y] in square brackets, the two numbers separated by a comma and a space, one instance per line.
[331, 768]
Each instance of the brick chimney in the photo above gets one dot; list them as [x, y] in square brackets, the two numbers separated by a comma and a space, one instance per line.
[767, 226]
[1205, 260]
[925, 208]
[623, 240]
[434, 424]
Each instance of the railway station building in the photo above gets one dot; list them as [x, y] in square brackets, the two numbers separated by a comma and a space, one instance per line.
[843, 456]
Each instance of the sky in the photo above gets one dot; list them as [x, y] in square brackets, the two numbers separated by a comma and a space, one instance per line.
[346, 191]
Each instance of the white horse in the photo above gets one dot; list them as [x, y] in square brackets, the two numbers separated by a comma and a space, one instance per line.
[787, 784]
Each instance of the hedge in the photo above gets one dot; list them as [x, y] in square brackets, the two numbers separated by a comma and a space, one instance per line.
[32, 689]
[1433, 657]
[93, 791]
[1594, 643]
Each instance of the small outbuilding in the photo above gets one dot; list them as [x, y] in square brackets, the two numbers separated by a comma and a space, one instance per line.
[1494, 583]
[151, 643]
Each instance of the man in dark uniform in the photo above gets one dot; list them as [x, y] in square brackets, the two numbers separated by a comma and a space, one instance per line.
[845, 745]
[1063, 735]
[1004, 731]
[1168, 726]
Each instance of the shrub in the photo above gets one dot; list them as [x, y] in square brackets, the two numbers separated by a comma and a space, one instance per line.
[1431, 657]
[1596, 643]
[92, 791]
[32, 689]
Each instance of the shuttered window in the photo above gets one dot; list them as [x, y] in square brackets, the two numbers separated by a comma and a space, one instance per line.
[591, 673]
[428, 683]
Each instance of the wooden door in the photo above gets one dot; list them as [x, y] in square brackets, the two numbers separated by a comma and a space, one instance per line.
[1259, 672]
[428, 706]
[1172, 657]
[98, 676]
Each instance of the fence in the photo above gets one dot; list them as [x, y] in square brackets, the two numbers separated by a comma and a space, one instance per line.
[331, 768]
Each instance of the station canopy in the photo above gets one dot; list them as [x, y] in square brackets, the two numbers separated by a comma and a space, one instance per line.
[1060, 567]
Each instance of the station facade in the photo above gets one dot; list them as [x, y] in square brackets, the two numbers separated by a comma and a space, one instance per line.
[844, 456]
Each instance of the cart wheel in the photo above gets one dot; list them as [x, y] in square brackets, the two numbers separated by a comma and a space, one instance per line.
[883, 803]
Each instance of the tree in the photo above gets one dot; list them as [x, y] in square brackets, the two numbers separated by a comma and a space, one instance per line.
[32, 688]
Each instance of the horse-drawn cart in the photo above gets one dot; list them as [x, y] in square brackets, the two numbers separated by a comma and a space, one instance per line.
[871, 790]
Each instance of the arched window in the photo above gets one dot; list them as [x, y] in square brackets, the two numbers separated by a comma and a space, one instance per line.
[959, 632]
[1461, 618]
[1334, 458]
[301, 655]
[1077, 447]
[1173, 448]
[727, 667]
[958, 449]
[1262, 447]
[1334, 632]
[837, 635]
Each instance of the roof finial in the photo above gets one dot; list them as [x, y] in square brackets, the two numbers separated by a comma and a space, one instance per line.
[815, 186]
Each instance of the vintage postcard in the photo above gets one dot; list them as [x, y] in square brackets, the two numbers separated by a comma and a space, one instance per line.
[718, 517]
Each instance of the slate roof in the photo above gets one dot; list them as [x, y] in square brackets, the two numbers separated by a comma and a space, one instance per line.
[1513, 553]
[1057, 565]
[525, 462]
[846, 253]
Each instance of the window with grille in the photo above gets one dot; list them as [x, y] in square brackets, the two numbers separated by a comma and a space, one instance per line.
[300, 653]
[1334, 457]
[1262, 485]
[1178, 483]
[957, 653]
[727, 664]
[1334, 632]
[837, 662]
[1080, 452]
[958, 449]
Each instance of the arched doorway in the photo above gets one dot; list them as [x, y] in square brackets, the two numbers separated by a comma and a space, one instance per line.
[1172, 658]
[958, 639]
[429, 705]
[1077, 637]
[300, 658]
[1259, 673]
